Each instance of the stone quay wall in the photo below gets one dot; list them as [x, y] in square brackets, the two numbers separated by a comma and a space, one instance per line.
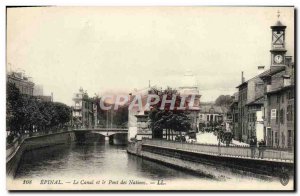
[17, 148]
[197, 162]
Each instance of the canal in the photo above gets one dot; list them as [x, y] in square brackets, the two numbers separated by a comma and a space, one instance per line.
[92, 160]
[105, 161]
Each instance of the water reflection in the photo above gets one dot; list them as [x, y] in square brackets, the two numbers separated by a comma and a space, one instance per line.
[99, 160]
[92, 159]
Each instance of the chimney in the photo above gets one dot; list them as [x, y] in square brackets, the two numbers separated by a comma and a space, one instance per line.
[243, 79]
[260, 69]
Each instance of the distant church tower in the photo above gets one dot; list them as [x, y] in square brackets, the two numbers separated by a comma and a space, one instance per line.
[189, 87]
[278, 43]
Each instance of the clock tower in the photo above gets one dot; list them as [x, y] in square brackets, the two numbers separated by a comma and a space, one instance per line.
[278, 43]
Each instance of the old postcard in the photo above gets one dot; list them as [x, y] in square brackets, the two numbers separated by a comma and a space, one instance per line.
[150, 98]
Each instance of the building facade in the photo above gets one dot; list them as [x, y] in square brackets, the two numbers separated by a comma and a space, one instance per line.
[38, 90]
[233, 116]
[279, 107]
[250, 95]
[84, 110]
[266, 102]
[44, 98]
[22, 82]
[211, 116]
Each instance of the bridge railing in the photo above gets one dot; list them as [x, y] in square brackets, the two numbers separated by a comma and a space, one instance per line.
[232, 151]
[114, 129]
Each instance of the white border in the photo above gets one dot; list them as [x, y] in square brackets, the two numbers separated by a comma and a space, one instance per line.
[4, 3]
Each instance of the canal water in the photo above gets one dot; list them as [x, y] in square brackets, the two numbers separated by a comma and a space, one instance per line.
[91, 159]
[105, 161]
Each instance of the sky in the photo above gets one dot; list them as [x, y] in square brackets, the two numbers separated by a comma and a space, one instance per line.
[109, 50]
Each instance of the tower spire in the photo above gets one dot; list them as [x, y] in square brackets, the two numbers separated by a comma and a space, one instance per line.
[278, 43]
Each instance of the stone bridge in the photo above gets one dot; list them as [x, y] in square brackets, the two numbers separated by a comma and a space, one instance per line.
[115, 135]
[103, 131]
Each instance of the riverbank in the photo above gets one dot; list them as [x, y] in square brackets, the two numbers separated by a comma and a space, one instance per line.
[192, 157]
[17, 148]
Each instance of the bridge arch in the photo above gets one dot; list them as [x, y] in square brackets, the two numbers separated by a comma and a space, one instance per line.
[116, 136]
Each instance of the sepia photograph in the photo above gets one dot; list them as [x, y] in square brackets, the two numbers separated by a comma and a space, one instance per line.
[150, 98]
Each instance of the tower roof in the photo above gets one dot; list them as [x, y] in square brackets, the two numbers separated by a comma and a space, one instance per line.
[278, 25]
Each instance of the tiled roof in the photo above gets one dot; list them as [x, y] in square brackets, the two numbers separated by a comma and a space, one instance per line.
[271, 71]
[258, 101]
[281, 89]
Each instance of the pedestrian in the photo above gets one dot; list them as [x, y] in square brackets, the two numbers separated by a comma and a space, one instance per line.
[261, 148]
[252, 147]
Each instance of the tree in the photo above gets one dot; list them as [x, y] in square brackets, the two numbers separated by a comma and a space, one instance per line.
[25, 112]
[166, 118]
[62, 113]
[45, 108]
[14, 105]
[224, 100]
[121, 115]
[12, 96]
[31, 113]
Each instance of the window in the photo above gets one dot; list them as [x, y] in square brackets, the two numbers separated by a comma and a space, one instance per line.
[290, 94]
[273, 114]
[252, 117]
[277, 117]
[290, 139]
[276, 139]
[282, 140]
[272, 136]
[281, 116]
[289, 113]
[263, 112]
[278, 98]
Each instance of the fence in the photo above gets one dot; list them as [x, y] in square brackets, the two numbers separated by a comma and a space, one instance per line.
[233, 151]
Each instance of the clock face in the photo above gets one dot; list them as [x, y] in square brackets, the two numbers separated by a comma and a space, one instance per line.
[278, 58]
